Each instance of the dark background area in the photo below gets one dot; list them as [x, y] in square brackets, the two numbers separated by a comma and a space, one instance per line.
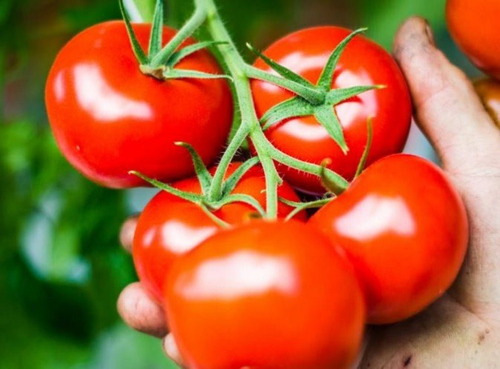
[61, 266]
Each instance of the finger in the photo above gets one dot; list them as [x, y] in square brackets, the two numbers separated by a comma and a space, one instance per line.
[466, 138]
[170, 348]
[141, 312]
[447, 107]
[127, 232]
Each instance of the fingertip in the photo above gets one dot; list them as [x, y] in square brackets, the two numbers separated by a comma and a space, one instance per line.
[171, 349]
[414, 28]
[141, 312]
[127, 232]
[446, 106]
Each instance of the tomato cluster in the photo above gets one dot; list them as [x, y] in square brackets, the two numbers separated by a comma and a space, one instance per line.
[241, 288]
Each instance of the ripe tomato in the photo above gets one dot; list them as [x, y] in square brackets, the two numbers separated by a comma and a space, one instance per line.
[265, 295]
[108, 118]
[489, 91]
[363, 63]
[170, 226]
[473, 24]
[405, 230]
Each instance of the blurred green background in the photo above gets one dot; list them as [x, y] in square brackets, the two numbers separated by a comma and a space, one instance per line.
[61, 266]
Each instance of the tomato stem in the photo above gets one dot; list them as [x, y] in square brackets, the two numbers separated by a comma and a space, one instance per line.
[193, 23]
[250, 124]
[250, 127]
[236, 65]
[215, 191]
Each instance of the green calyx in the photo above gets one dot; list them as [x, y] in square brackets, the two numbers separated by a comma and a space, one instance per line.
[209, 204]
[312, 100]
[160, 62]
[301, 206]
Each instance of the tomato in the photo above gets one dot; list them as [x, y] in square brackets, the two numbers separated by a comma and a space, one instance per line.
[473, 24]
[363, 63]
[489, 91]
[405, 229]
[109, 118]
[265, 295]
[169, 226]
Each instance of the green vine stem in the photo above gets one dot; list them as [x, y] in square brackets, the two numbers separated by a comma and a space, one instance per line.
[250, 125]
[193, 23]
[250, 122]
[215, 188]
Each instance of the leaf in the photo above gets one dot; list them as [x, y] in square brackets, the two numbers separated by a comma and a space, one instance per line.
[184, 73]
[336, 96]
[191, 197]
[155, 38]
[294, 107]
[300, 206]
[366, 151]
[136, 47]
[331, 180]
[246, 199]
[215, 218]
[188, 50]
[204, 176]
[282, 70]
[325, 115]
[325, 80]
[234, 178]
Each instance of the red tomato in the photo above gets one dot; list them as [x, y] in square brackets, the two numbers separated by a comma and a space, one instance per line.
[362, 63]
[405, 230]
[265, 295]
[170, 226]
[489, 92]
[473, 24]
[108, 118]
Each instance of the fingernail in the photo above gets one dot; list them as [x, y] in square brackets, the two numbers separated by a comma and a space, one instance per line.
[429, 33]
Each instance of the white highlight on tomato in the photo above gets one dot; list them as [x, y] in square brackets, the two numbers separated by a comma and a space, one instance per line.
[101, 100]
[243, 273]
[374, 215]
[182, 238]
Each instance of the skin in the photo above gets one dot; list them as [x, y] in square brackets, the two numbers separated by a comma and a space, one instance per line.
[462, 329]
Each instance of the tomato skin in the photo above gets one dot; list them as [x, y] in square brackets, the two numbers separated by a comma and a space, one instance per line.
[169, 226]
[405, 229]
[362, 63]
[265, 295]
[109, 118]
[489, 92]
[473, 25]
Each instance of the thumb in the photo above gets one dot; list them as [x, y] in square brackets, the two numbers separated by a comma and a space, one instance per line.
[467, 140]
[446, 105]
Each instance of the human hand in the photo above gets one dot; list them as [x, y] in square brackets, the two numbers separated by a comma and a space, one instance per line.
[462, 329]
